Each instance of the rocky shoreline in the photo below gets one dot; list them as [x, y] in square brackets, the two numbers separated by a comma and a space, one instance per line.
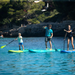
[36, 30]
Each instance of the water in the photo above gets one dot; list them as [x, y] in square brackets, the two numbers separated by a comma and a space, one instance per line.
[53, 63]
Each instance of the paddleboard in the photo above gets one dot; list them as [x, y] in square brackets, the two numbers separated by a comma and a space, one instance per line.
[18, 51]
[39, 51]
[65, 51]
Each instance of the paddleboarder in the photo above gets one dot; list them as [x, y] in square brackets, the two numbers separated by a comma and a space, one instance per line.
[20, 41]
[1, 36]
[48, 35]
[69, 34]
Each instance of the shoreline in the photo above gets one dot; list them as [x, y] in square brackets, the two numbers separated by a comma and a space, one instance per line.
[36, 30]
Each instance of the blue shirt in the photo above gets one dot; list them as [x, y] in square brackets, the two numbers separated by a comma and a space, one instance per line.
[48, 32]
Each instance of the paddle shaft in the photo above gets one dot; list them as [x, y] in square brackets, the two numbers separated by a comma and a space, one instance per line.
[54, 46]
[9, 42]
[64, 45]
[64, 42]
[6, 44]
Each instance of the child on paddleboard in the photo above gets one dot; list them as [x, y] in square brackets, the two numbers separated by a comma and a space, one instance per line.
[48, 35]
[70, 37]
[20, 41]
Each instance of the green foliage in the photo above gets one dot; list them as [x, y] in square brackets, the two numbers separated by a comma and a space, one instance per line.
[0, 6]
[5, 21]
[4, 0]
[38, 5]
[41, 17]
[16, 10]
[33, 21]
[12, 11]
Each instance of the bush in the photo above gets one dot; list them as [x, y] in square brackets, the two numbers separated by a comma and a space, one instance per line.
[33, 21]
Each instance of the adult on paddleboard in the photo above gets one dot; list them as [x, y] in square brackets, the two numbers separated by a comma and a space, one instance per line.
[48, 35]
[20, 41]
[69, 34]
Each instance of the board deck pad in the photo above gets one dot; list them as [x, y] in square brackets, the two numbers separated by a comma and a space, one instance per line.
[18, 51]
[69, 51]
[39, 51]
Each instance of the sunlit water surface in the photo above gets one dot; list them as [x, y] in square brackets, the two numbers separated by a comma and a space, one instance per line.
[50, 63]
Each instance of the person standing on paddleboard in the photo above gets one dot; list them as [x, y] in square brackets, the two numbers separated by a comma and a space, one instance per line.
[69, 34]
[20, 41]
[48, 35]
[1, 36]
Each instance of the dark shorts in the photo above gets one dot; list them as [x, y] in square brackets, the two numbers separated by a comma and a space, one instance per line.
[47, 39]
[69, 38]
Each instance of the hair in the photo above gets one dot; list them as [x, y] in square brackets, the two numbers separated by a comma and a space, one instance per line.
[50, 25]
[19, 33]
[69, 25]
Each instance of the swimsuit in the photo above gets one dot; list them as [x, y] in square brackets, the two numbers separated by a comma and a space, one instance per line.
[69, 35]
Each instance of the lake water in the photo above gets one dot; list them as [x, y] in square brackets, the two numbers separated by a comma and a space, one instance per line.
[51, 63]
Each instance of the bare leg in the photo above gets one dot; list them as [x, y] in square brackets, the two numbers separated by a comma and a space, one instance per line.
[50, 44]
[72, 42]
[19, 47]
[68, 44]
[23, 47]
[46, 44]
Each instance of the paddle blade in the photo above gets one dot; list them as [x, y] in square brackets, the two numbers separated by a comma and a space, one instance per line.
[56, 49]
[3, 46]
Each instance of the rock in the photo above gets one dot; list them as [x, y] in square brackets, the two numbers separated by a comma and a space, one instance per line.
[35, 30]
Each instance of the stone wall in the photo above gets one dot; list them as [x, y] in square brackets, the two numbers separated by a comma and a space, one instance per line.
[58, 28]
[37, 29]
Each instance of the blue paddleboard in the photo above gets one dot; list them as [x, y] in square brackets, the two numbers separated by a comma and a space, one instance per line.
[39, 50]
[65, 51]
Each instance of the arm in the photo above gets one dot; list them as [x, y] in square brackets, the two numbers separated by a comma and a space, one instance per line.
[67, 31]
[44, 27]
[16, 39]
[51, 35]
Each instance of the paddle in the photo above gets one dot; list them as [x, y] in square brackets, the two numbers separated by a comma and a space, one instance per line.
[7, 44]
[64, 45]
[54, 46]
[64, 39]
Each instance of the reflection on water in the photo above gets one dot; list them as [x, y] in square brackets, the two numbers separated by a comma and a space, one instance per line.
[53, 63]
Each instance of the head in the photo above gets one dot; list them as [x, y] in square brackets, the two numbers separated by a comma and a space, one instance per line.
[50, 26]
[69, 27]
[19, 34]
